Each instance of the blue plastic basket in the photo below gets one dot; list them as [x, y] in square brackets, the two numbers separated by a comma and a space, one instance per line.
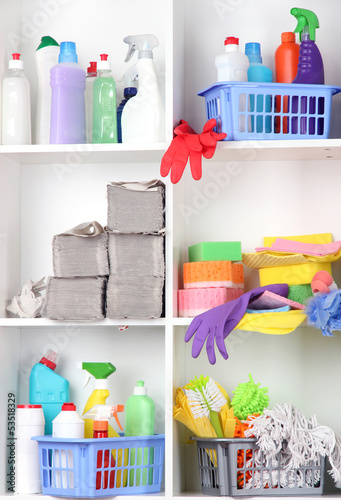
[245, 110]
[101, 467]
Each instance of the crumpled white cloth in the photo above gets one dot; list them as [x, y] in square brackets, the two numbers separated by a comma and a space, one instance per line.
[28, 302]
[286, 431]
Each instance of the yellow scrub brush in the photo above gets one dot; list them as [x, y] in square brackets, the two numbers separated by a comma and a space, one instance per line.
[206, 400]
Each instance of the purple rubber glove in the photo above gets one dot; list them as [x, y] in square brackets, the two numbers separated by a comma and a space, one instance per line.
[217, 323]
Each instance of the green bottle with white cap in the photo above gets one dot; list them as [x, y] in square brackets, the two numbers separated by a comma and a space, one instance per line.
[140, 421]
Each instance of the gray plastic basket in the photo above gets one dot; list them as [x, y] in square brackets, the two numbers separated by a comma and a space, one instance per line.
[236, 467]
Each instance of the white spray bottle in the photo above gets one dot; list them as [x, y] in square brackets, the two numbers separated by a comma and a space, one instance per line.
[46, 56]
[143, 116]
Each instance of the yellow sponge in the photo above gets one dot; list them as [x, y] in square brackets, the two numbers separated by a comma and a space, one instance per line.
[299, 274]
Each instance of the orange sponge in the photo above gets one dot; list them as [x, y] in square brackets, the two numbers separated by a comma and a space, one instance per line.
[219, 273]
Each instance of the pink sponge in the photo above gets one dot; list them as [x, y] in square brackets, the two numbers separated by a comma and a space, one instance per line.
[194, 301]
[270, 300]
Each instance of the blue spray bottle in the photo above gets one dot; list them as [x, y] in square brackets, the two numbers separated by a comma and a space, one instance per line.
[47, 388]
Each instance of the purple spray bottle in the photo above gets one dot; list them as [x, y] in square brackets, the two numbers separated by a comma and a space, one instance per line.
[67, 98]
[310, 66]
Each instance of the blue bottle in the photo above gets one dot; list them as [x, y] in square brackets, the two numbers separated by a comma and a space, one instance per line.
[258, 72]
[128, 93]
[48, 389]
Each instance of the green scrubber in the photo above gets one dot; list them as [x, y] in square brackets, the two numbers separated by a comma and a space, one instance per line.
[249, 398]
[300, 293]
[215, 250]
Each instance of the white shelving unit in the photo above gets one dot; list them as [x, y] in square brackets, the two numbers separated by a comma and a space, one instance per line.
[250, 189]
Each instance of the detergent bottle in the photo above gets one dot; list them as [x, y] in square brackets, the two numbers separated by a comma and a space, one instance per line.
[310, 65]
[16, 104]
[67, 98]
[232, 65]
[104, 117]
[140, 421]
[46, 56]
[286, 58]
[100, 372]
[143, 116]
[100, 415]
[130, 90]
[258, 72]
[47, 388]
[89, 88]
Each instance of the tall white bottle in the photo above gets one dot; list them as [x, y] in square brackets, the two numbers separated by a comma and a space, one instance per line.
[46, 56]
[16, 105]
[143, 116]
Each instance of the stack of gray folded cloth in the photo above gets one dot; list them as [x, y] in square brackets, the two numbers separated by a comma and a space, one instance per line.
[77, 291]
[136, 249]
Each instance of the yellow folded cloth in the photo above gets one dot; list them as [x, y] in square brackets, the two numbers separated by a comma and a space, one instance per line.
[258, 260]
[275, 323]
[300, 274]
[318, 238]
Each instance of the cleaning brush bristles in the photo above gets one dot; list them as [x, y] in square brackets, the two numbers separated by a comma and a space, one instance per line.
[206, 400]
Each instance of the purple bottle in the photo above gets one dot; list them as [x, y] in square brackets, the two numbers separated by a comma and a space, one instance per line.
[67, 98]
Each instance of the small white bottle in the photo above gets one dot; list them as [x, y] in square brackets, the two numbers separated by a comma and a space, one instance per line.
[67, 424]
[29, 422]
[16, 105]
[232, 66]
[89, 88]
[46, 56]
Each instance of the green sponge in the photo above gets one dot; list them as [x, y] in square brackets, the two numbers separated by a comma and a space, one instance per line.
[300, 293]
[215, 250]
[249, 398]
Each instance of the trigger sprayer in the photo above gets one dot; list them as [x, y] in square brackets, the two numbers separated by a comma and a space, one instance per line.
[143, 115]
[310, 64]
[104, 412]
[100, 372]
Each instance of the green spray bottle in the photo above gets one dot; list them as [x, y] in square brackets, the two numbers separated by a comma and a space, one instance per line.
[101, 372]
[139, 421]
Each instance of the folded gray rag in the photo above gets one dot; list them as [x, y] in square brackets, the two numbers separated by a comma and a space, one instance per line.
[136, 254]
[134, 297]
[75, 298]
[133, 210]
[75, 255]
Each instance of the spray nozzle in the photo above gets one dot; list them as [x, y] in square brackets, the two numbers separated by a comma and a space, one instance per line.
[144, 44]
[101, 371]
[104, 412]
[307, 22]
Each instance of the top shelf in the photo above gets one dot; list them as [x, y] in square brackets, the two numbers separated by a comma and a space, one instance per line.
[311, 149]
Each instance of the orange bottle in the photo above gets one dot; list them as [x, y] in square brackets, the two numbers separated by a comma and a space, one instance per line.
[286, 63]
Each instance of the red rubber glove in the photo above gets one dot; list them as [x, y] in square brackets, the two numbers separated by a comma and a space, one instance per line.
[187, 144]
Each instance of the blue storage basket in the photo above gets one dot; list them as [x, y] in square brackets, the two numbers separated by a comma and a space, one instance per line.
[245, 110]
[79, 468]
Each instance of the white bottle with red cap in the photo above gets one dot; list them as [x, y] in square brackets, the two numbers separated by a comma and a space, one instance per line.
[16, 105]
[232, 66]
[67, 424]
[29, 422]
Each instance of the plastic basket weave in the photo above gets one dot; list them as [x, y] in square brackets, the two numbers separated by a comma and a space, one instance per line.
[245, 110]
[236, 467]
[101, 467]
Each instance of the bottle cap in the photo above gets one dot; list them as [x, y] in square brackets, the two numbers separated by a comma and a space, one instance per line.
[50, 359]
[47, 41]
[130, 91]
[15, 63]
[252, 50]
[29, 406]
[103, 63]
[231, 40]
[140, 390]
[100, 425]
[92, 68]
[68, 407]
[288, 36]
[68, 52]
